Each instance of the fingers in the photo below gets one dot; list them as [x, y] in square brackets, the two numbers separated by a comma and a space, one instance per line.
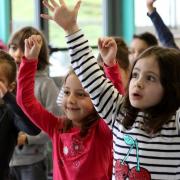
[99, 43]
[47, 5]
[36, 40]
[39, 39]
[107, 42]
[77, 6]
[27, 46]
[46, 16]
[54, 3]
[33, 40]
[50, 7]
[62, 2]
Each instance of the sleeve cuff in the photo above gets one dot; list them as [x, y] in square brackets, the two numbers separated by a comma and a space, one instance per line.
[152, 13]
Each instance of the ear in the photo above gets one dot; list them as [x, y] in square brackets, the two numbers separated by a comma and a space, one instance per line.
[12, 86]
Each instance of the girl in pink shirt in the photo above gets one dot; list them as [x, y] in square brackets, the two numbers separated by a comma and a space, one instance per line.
[82, 142]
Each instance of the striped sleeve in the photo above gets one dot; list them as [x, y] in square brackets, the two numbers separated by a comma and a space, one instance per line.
[178, 120]
[105, 97]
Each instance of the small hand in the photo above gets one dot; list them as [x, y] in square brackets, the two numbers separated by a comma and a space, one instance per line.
[3, 89]
[62, 15]
[33, 46]
[108, 49]
[22, 139]
[149, 4]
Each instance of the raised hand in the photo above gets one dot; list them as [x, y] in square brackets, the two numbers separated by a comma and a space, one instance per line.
[62, 15]
[108, 48]
[149, 4]
[32, 47]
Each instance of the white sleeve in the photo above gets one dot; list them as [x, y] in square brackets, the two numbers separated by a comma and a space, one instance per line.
[178, 120]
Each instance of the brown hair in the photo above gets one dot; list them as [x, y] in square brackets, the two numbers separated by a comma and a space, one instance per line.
[148, 38]
[18, 39]
[5, 58]
[169, 64]
[89, 120]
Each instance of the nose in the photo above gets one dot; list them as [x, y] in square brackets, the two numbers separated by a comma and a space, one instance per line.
[139, 83]
[72, 99]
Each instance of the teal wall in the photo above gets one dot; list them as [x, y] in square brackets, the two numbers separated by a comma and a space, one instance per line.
[5, 19]
[119, 18]
[128, 27]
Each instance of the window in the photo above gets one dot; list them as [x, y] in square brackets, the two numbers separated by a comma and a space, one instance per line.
[169, 14]
[22, 14]
[90, 20]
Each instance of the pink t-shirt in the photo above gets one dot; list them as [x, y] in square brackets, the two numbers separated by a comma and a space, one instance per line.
[74, 157]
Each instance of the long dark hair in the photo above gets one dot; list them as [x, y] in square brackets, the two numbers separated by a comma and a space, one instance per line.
[86, 123]
[169, 64]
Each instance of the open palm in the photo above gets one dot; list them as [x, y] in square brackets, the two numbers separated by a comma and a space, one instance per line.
[61, 14]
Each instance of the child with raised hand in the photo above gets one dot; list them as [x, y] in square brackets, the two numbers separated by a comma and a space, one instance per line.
[164, 34]
[82, 142]
[12, 119]
[29, 160]
[118, 72]
[146, 122]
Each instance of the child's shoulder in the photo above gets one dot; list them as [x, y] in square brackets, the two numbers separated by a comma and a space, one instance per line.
[103, 126]
[6, 115]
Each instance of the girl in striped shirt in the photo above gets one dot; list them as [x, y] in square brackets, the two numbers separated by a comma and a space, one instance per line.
[145, 123]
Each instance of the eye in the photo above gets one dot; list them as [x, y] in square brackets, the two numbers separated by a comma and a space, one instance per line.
[13, 47]
[81, 94]
[66, 92]
[134, 75]
[151, 78]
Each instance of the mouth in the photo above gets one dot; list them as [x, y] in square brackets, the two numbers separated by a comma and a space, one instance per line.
[136, 96]
[72, 109]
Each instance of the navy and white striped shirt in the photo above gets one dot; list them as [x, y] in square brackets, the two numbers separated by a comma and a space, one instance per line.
[158, 155]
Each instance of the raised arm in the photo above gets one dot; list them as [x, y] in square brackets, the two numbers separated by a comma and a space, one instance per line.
[164, 34]
[108, 48]
[105, 97]
[65, 17]
[25, 89]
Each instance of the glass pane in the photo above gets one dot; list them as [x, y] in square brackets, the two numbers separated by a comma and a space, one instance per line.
[23, 13]
[169, 14]
[89, 18]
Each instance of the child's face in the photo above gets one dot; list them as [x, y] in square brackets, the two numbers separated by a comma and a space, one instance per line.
[137, 46]
[16, 53]
[76, 102]
[145, 89]
[3, 77]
